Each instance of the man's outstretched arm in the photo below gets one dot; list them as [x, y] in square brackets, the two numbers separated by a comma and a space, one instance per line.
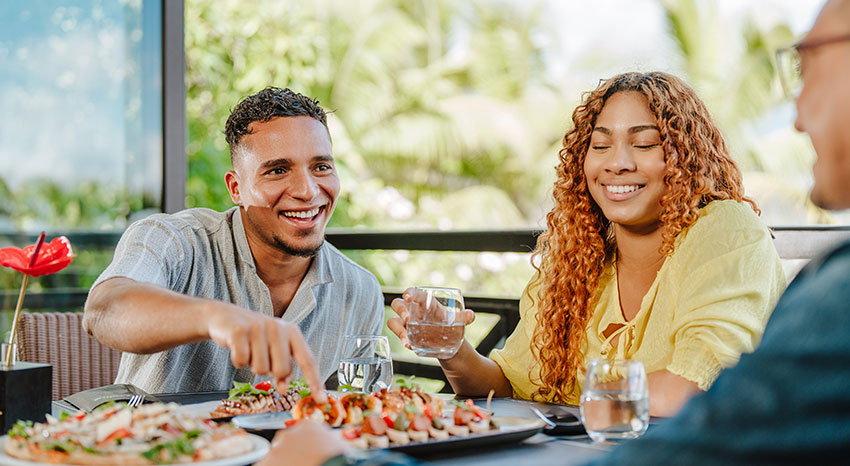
[141, 318]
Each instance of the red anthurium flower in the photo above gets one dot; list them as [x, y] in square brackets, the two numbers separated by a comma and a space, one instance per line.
[52, 257]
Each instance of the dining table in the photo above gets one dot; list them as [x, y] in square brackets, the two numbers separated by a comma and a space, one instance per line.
[539, 449]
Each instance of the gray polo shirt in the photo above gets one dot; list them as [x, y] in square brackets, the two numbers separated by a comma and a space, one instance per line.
[204, 253]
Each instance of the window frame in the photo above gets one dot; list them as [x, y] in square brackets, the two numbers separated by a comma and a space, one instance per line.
[174, 161]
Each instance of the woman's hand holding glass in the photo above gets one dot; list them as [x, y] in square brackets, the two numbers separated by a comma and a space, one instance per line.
[431, 320]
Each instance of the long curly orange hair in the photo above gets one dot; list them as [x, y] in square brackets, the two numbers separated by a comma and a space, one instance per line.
[579, 240]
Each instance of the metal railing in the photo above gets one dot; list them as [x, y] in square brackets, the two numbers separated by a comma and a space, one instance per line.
[507, 308]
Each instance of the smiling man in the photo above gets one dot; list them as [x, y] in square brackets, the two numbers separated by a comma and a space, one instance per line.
[200, 298]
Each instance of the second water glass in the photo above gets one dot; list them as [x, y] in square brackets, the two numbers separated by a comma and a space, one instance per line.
[615, 399]
[366, 364]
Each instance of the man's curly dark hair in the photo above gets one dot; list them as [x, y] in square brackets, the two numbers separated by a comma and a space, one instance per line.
[269, 103]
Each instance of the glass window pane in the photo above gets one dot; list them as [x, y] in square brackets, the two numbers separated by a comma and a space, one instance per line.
[80, 134]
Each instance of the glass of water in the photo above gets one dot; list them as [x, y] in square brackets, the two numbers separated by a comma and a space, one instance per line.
[615, 399]
[433, 324]
[366, 365]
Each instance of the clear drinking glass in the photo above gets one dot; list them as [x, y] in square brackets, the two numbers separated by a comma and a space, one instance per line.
[433, 325]
[615, 399]
[366, 364]
[4, 352]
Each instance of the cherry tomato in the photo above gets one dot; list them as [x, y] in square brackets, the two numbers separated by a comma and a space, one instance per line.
[264, 386]
[120, 433]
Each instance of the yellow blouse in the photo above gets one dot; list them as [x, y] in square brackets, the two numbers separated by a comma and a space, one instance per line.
[708, 304]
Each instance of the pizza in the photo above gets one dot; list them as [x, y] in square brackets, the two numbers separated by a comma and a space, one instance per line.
[155, 433]
[394, 417]
[245, 398]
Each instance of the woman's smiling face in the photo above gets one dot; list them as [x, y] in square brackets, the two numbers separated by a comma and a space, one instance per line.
[625, 165]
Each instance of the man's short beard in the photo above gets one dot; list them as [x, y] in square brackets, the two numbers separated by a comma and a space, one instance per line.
[293, 251]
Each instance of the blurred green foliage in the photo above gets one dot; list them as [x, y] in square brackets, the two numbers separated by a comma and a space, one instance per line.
[406, 113]
[424, 137]
[444, 115]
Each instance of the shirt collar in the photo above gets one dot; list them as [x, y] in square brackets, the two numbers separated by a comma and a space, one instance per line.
[320, 272]
[243, 250]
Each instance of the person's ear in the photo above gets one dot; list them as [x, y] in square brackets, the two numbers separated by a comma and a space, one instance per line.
[231, 179]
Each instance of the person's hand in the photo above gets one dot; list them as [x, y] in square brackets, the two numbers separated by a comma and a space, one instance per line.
[306, 443]
[266, 344]
[401, 306]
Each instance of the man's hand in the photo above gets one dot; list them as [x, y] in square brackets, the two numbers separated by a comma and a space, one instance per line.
[266, 344]
[142, 318]
[307, 443]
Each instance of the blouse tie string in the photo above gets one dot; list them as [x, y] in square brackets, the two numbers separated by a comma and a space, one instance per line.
[624, 344]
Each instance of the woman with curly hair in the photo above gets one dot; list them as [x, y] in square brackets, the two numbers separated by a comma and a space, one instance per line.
[651, 252]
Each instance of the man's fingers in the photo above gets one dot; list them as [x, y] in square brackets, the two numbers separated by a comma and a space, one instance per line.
[304, 358]
[259, 349]
[240, 348]
[467, 316]
[281, 360]
[282, 385]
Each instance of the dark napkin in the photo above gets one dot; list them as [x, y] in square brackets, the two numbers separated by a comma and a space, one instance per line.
[88, 400]
[566, 423]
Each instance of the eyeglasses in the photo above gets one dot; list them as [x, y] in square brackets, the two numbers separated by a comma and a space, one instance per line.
[789, 65]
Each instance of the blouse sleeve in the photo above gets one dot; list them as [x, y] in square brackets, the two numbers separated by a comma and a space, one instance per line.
[731, 279]
[516, 358]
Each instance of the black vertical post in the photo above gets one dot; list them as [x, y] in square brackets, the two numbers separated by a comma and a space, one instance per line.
[174, 166]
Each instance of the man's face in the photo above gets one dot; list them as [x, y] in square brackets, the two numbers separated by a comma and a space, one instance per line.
[823, 107]
[285, 180]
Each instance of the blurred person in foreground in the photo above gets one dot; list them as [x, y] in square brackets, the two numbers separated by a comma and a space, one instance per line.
[651, 252]
[787, 402]
[198, 299]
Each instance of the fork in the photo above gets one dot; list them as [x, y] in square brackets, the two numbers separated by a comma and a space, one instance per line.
[136, 400]
[546, 420]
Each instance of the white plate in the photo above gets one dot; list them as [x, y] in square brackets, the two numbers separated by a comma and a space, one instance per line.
[200, 409]
[264, 421]
[261, 447]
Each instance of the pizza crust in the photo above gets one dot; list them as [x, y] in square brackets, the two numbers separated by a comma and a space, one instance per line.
[227, 447]
[19, 448]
